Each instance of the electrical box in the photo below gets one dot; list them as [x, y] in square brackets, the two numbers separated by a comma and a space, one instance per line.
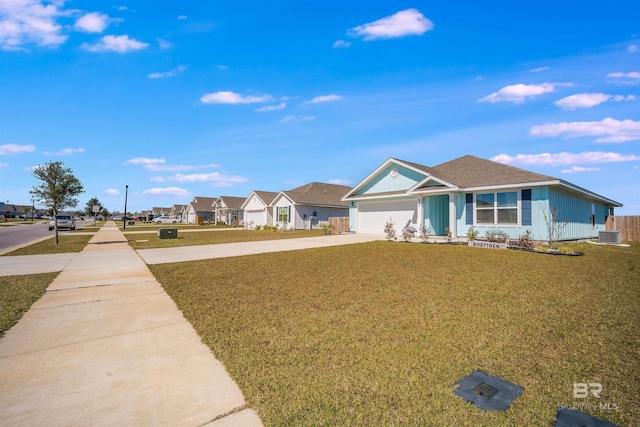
[168, 233]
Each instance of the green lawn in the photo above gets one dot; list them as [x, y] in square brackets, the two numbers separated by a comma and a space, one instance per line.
[18, 293]
[67, 242]
[193, 238]
[377, 334]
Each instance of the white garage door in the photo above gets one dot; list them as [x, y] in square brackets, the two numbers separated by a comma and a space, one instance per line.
[257, 217]
[372, 217]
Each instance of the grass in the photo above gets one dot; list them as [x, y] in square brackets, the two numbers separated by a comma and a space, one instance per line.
[186, 238]
[18, 293]
[68, 242]
[378, 333]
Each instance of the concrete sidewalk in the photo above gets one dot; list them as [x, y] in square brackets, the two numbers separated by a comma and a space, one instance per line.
[107, 346]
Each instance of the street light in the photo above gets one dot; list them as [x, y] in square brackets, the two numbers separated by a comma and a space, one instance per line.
[124, 217]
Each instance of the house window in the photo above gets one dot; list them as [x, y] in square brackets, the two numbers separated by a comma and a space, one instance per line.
[497, 208]
[283, 214]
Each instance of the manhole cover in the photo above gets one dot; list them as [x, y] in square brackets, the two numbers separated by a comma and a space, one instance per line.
[566, 417]
[486, 391]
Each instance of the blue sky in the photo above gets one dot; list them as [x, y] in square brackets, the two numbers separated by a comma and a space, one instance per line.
[203, 98]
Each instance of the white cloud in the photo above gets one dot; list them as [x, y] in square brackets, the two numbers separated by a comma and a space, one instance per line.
[564, 158]
[182, 17]
[166, 74]
[280, 106]
[4, 165]
[12, 149]
[293, 118]
[168, 191]
[588, 100]
[30, 21]
[340, 181]
[408, 22]
[631, 78]
[632, 48]
[324, 98]
[164, 44]
[609, 130]
[537, 70]
[145, 161]
[65, 152]
[120, 44]
[341, 44]
[518, 93]
[232, 98]
[215, 178]
[111, 192]
[92, 22]
[177, 168]
[578, 169]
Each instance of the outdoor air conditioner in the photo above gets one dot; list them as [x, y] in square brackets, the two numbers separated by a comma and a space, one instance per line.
[609, 237]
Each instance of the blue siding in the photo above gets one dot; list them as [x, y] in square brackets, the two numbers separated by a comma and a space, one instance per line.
[576, 210]
[384, 182]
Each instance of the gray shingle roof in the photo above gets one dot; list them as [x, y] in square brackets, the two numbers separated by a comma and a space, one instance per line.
[472, 171]
[233, 202]
[266, 196]
[203, 204]
[318, 193]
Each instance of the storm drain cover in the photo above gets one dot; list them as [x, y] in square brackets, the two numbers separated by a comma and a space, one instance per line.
[567, 417]
[486, 391]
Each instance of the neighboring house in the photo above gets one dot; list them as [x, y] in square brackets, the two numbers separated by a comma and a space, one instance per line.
[178, 212]
[470, 191]
[303, 207]
[159, 211]
[257, 209]
[199, 210]
[228, 210]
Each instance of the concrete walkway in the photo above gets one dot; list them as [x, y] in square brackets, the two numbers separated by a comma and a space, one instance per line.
[107, 346]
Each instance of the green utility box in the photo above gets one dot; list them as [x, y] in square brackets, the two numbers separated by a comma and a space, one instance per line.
[168, 233]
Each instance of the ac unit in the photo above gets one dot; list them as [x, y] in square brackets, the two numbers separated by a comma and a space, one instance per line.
[609, 237]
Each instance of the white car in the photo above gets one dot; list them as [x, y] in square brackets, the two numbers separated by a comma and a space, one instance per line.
[164, 220]
[64, 221]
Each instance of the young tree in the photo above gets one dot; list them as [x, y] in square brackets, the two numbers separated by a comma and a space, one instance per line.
[94, 202]
[58, 188]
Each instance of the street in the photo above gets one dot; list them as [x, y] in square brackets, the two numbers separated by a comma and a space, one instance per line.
[18, 234]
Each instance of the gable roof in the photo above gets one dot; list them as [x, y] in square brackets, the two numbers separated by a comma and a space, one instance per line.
[470, 172]
[318, 193]
[232, 202]
[202, 204]
[266, 197]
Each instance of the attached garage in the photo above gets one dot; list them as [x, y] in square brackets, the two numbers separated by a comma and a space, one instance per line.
[256, 217]
[373, 216]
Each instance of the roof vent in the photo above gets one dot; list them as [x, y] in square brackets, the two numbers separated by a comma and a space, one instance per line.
[609, 237]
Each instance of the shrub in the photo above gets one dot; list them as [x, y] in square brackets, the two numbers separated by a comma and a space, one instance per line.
[326, 226]
[525, 240]
[389, 231]
[496, 236]
[472, 234]
[424, 233]
[258, 227]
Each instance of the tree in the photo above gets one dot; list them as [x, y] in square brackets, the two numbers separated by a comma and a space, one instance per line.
[88, 209]
[58, 188]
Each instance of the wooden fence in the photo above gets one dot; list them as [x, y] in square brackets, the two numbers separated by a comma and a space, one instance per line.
[628, 226]
[340, 224]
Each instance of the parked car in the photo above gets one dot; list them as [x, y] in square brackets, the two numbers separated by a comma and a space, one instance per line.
[164, 220]
[65, 221]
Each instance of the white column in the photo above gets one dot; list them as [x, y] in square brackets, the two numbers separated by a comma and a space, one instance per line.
[452, 215]
[420, 213]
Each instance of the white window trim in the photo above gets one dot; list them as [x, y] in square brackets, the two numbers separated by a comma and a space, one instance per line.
[495, 209]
